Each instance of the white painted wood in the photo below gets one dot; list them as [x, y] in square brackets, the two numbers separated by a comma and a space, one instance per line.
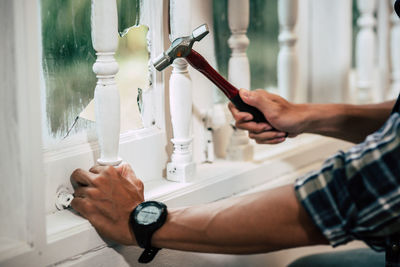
[219, 180]
[330, 49]
[22, 224]
[182, 167]
[239, 147]
[70, 240]
[105, 42]
[203, 89]
[151, 15]
[394, 55]
[143, 149]
[287, 57]
[383, 34]
[304, 53]
[365, 50]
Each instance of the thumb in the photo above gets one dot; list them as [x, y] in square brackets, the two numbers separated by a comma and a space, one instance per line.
[253, 98]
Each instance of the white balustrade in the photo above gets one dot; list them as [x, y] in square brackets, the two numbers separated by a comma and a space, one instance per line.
[383, 34]
[203, 88]
[107, 108]
[239, 71]
[394, 54]
[365, 50]
[182, 167]
[287, 57]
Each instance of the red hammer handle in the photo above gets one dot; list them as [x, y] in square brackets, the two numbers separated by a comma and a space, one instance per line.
[198, 62]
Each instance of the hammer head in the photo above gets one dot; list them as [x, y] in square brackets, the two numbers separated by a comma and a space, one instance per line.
[180, 47]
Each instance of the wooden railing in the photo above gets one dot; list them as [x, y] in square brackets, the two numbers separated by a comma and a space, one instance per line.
[377, 72]
[377, 51]
[182, 167]
[106, 96]
[239, 71]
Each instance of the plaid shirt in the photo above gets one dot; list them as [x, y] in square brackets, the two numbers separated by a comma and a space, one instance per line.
[356, 194]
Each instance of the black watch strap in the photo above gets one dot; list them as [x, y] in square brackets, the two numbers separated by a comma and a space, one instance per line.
[143, 238]
[144, 232]
[148, 255]
[145, 242]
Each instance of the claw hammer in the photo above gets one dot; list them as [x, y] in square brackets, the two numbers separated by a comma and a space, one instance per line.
[182, 47]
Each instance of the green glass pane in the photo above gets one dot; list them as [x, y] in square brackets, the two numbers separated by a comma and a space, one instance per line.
[128, 14]
[67, 60]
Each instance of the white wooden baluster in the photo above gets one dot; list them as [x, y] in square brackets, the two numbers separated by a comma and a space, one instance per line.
[239, 71]
[203, 88]
[395, 55]
[182, 167]
[287, 57]
[105, 41]
[365, 49]
[383, 32]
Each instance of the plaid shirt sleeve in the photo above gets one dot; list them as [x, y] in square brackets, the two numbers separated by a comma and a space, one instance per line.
[356, 194]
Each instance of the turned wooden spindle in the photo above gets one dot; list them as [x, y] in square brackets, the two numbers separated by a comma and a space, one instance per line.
[383, 36]
[182, 167]
[239, 147]
[107, 108]
[365, 50]
[394, 54]
[287, 57]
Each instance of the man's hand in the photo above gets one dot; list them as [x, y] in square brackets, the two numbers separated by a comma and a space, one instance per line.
[284, 118]
[106, 196]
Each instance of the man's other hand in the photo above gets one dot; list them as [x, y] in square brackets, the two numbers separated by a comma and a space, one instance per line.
[106, 195]
[284, 118]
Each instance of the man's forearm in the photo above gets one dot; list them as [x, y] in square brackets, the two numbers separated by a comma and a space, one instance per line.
[256, 223]
[348, 122]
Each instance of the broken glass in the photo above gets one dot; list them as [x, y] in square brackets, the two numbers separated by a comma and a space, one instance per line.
[67, 61]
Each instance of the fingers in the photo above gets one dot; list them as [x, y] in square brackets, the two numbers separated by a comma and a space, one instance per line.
[97, 169]
[268, 137]
[81, 178]
[90, 200]
[87, 192]
[253, 98]
[238, 115]
[84, 207]
[254, 127]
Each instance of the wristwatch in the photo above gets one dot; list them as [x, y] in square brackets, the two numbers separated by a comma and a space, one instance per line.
[145, 219]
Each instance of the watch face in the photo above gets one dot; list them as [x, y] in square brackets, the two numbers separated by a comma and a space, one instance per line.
[148, 215]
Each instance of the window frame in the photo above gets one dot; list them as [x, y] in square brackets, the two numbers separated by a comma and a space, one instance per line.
[25, 47]
[61, 160]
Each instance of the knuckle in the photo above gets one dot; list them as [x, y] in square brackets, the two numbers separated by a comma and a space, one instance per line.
[76, 172]
[91, 193]
[140, 185]
[239, 126]
[93, 168]
[108, 170]
[98, 180]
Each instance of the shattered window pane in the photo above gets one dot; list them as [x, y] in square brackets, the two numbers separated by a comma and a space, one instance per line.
[133, 58]
[263, 34]
[67, 61]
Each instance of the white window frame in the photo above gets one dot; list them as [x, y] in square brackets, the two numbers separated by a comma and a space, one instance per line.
[61, 236]
[136, 147]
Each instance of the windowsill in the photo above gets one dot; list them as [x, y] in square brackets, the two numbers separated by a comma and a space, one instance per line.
[274, 166]
[10, 248]
[136, 147]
